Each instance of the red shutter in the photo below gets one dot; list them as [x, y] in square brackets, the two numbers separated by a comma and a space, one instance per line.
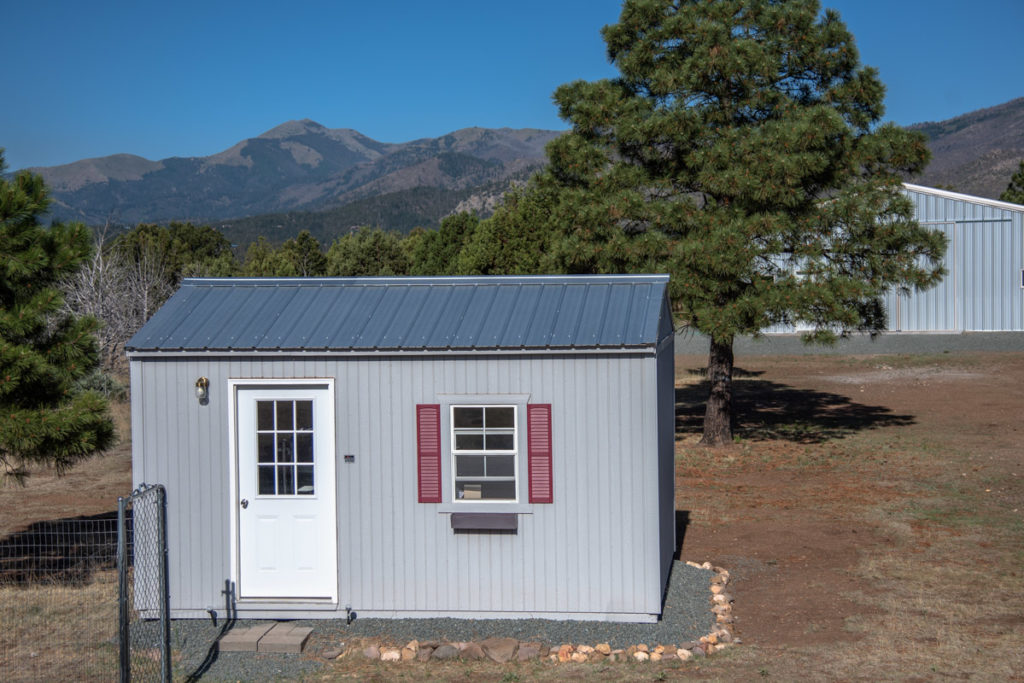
[538, 425]
[428, 452]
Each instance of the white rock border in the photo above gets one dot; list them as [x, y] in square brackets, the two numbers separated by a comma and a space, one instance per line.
[720, 638]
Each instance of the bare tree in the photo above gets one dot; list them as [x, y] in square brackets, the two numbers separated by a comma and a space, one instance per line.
[121, 293]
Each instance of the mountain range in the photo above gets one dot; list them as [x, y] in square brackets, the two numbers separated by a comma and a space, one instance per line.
[304, 175]
[297, 166]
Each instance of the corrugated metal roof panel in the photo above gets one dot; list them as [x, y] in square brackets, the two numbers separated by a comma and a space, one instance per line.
[409, 314]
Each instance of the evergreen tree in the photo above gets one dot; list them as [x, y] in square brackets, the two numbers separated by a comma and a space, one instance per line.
[44, 417]
[303, 257]
[367, 252]
[261, 260]
[516, 240]
[740, 149]
[436, 252]
[1014, 192]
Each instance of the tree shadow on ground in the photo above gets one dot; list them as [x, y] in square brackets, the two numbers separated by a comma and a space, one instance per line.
[62, 551]
[771, 411]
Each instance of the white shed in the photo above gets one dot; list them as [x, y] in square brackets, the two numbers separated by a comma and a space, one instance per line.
[416, 447]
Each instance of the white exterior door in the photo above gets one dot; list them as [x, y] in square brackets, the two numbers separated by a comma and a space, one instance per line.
[286, 511]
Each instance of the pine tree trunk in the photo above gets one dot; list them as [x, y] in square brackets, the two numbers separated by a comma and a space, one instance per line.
[718, 416]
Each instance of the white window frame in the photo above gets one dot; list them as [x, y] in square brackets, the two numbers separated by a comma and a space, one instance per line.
[514, 453]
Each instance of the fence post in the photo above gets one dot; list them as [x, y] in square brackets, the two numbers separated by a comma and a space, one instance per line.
[124, 645]
[165, 593]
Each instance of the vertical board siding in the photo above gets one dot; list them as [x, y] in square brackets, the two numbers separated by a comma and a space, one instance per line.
[982, 289]
[593, 551]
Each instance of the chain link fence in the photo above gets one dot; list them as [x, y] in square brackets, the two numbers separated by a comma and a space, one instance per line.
[58, 601]
[144, 627]
[68, 613]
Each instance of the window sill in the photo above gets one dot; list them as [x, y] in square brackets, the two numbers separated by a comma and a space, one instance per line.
[482, 506]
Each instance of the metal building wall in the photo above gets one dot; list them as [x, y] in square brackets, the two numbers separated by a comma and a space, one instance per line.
[985, 259]
[593, 553]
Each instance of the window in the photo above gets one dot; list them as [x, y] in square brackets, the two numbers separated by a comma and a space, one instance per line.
[484, 447]
[284, 436]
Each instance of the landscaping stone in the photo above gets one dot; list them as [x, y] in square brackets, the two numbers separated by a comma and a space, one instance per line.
[391, 655]
[473, 652]
[603, 648]
[332, 653]
[445, 652]
[528, 651]
[641, 656]
[423, 654]
[500, 650]
[578, 657]
[371, 652]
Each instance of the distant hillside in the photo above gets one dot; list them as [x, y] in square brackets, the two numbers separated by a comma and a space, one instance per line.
[297, 166]
[975, 153]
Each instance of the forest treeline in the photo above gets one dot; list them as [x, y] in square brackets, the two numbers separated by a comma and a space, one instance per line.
[130, 275]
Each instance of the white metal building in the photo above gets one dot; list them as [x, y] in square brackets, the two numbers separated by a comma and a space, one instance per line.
[984, 287]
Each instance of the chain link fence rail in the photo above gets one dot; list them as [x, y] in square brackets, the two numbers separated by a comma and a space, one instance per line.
[144, 627]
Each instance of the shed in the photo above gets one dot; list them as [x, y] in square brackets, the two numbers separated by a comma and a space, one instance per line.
[984, 287]
[476, 447]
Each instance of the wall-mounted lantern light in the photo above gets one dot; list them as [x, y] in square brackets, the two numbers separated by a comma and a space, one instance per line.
[202, 388]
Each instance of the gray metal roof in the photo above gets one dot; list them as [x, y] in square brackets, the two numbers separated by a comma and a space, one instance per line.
[410, 314]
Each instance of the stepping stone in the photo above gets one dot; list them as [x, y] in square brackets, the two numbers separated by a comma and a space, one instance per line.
[243, 639]
[285, 638]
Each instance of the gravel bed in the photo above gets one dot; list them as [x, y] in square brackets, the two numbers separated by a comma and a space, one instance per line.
[686, 616]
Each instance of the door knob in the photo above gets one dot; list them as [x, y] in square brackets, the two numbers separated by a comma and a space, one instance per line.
[245, 503]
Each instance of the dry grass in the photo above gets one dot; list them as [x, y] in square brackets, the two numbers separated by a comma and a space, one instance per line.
[55, 632]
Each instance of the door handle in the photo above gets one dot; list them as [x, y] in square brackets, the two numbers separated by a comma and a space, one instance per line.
[245, 503]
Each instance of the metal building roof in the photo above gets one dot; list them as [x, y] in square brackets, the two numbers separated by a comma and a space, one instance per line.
[410, 314]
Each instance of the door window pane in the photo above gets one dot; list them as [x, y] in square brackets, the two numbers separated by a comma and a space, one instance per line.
[285, 480]
[304, 415]
[264, 415]
[266, 481]
[304, 480]
[304, 447]
[284, 437]
[266, 447]
[284, 414]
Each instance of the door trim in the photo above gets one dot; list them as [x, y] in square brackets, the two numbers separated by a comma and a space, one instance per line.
[234, 385]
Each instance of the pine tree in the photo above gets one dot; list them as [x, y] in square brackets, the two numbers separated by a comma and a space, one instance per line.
[44, 417]
[740, 148]
[1014, 192]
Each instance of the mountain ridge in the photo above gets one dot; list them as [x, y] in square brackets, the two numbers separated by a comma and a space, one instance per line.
[299, 165]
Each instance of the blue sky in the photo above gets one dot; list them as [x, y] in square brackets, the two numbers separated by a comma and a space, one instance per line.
[183, 78]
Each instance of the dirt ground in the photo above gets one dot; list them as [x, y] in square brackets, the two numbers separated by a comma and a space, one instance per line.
[870, 511]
